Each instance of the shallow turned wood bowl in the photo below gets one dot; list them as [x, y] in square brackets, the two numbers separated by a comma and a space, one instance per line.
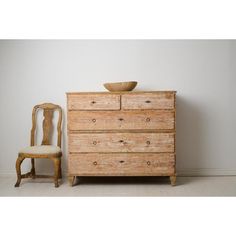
[120, 86]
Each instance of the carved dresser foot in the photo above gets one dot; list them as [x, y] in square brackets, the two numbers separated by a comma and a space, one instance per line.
[56, 184]
[173, 180]
[71, 180]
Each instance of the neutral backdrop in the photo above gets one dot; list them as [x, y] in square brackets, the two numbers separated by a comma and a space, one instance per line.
[202, 71]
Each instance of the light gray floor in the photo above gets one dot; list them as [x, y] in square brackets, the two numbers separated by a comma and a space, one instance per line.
[148, 186]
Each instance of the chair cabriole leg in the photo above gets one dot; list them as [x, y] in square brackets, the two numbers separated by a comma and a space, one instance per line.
[18, 170]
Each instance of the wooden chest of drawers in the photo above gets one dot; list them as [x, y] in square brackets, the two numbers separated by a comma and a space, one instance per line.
[121, 134]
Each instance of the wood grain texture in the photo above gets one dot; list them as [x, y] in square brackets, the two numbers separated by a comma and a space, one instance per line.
[48, 109]
[121, 142]
[120, 86]
[93, 102]
[121, 120]
[127, 164]
[47, 126]
[148, 101]
[121, 134]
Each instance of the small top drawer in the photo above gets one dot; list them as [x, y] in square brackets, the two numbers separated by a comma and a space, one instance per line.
[161, 100]
[93, 101]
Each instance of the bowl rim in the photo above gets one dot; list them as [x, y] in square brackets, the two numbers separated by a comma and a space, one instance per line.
[124, 82]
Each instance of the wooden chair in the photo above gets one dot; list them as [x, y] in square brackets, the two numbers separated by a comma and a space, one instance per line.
[45, 150]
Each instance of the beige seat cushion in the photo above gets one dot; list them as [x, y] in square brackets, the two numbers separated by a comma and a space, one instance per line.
[42, 149]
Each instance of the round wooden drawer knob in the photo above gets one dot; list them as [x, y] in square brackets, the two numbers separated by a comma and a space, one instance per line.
[121, 119]
[94, 142]
[93, 102]
[93, 120]
[148, 142]
[95, 163]
[148, 163]
[148, 119]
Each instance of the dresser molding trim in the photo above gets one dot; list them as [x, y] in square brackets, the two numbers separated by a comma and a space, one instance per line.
[132, 92]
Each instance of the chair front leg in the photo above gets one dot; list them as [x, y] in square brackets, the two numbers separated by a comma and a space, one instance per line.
[56, 162]
[32, 168]
[60, 171]
[18, 170]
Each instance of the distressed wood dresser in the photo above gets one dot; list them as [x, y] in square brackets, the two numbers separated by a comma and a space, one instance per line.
[121, 134]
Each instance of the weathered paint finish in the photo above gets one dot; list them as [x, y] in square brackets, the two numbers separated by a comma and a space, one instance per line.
[121, 134]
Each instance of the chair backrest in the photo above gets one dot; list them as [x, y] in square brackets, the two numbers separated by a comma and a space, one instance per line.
[48, 110]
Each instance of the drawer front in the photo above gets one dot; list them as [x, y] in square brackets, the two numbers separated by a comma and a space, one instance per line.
[93, 102]
[122, 164]
[121, 142]
[165, 100]
[121, 120]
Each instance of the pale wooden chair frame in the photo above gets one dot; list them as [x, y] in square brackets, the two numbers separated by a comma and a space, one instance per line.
[48, 110]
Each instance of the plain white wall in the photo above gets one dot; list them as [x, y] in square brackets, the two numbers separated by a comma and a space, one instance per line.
[202, 71]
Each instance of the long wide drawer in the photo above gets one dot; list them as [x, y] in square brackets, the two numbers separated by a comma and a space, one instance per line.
[93, 101]
[162, 100]
[118, 120]
[121, 142]
[124, 164]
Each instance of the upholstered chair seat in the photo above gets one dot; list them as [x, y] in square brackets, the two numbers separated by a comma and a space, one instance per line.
[42, 149]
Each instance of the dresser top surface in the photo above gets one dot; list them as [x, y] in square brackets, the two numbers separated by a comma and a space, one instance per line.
[122, 92]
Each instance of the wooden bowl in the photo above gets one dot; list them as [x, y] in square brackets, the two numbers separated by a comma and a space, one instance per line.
[120, 86]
